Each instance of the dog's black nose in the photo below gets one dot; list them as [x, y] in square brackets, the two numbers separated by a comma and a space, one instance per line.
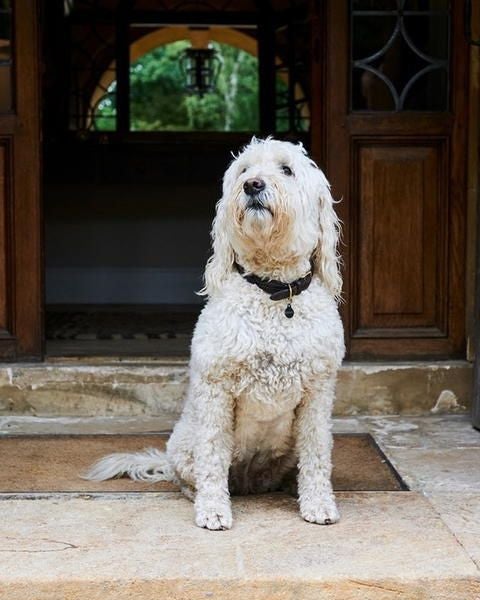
[253, 186]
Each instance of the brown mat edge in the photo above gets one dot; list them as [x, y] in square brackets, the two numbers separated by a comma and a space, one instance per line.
[402, 486]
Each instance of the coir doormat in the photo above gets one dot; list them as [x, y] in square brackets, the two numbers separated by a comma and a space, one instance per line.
[48, 463]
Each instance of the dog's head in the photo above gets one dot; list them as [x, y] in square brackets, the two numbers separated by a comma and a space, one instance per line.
[275, 211]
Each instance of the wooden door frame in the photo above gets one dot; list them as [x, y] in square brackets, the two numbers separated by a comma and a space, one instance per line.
[21, 334]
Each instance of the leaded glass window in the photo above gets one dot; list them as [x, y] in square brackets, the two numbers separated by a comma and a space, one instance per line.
[400, 55]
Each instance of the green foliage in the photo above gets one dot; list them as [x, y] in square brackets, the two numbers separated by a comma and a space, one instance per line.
[105, 113]
[159, 102]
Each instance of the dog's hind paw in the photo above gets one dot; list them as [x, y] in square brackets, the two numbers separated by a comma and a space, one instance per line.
[320, 512]
[214, 518]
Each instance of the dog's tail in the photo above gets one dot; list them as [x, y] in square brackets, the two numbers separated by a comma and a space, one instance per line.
[150, 465]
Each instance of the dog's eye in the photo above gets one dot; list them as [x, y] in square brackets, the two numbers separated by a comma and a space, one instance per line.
[243, 170]
[286, 170]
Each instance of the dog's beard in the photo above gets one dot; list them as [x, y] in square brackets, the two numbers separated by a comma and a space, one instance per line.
[259, 212]
[249, 214]
[259, 203]
[260, 223]
[257, 218]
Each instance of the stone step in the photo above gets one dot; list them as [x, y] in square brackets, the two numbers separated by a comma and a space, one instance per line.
[94, 387]
[387, 546]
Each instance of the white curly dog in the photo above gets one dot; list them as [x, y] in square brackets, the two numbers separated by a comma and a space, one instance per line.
[265, 350]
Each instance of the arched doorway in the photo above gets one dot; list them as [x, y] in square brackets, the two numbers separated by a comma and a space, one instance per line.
[129, 209]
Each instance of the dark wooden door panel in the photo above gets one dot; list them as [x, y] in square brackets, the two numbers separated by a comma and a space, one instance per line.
[391, 132]
[400, 203]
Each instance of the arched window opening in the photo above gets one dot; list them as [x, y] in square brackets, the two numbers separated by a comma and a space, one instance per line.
[159, 100]
[253, 92]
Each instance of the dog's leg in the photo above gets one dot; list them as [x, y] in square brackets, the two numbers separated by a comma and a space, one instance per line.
[314, 448]
[213, 455]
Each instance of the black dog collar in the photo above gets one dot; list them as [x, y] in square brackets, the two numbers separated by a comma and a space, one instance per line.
[279, 290]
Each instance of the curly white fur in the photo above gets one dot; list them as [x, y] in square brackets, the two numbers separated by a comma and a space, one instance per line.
[261, 385]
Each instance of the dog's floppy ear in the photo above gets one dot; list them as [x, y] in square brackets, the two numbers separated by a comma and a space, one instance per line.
[220, 263]
[326, 258]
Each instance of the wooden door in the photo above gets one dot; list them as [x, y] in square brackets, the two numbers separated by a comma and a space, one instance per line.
[393, 138]
[20, 215]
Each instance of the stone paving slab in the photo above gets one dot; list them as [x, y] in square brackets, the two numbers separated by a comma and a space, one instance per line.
[393, 431]
[31, 425]
[449, 470]
[432, 432]
[386, 546]
[238, 589]
[27, 425]
[461, 513]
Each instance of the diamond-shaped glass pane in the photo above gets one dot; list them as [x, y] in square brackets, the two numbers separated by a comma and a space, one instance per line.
[399, 64]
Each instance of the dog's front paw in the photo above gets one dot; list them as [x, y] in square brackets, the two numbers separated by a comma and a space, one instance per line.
[322, 511]
[213, 515]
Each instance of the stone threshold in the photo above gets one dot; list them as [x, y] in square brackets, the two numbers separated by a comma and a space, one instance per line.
[156, 387]
[148, 547]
